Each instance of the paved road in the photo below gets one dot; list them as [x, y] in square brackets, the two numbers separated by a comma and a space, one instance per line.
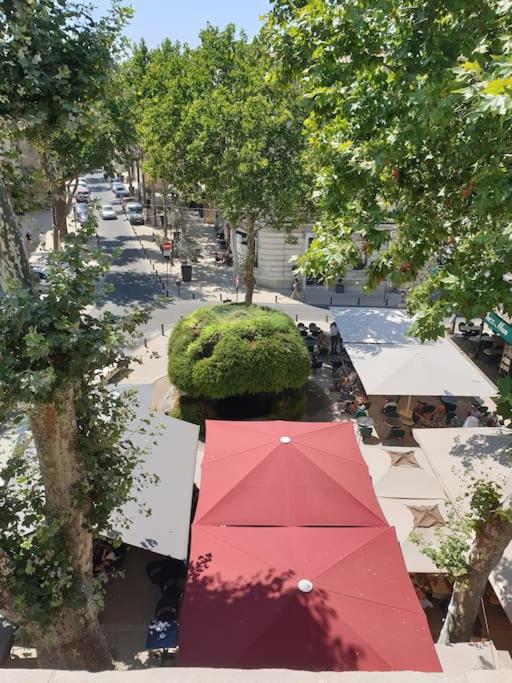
[131, 279]
[133, 282]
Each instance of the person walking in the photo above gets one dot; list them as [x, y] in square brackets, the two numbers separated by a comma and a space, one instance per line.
[334, 334]
[295, 290]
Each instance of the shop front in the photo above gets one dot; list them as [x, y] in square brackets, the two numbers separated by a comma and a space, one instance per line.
[502, 326]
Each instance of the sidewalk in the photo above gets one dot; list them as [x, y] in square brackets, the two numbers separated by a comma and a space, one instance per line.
[212, 282]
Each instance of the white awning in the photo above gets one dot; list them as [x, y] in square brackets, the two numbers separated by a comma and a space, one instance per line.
[437, 369]
[400, 487]
[361, 325]
[171, 455]
[457, 454]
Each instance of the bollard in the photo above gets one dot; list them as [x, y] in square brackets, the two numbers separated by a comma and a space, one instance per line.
[276, 299]
[163, 333]
[163, 285]
[145, 343]
[167, 293]
[153, 237]
[296, 318]
[193, 295]
[326, 318]
[330, 301]
[220, 295]
[387, 302]
[359, 301]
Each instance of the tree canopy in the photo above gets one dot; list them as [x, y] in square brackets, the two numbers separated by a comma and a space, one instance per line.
[410, 122]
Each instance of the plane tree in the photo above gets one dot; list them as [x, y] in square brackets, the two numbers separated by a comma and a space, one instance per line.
[60, 494]
[410, 123]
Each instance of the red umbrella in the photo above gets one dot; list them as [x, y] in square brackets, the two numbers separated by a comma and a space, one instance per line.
[285, 474]
[322, 599]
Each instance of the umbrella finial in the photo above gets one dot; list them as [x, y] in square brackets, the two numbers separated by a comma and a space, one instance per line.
[305, 585]
[285, 439]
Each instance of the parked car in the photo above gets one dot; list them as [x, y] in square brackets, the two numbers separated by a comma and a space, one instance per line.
[82, 194]
[128, 200]
[121, 192]
[39, 272]
[82, 212]
[107, 212]
[135, 213]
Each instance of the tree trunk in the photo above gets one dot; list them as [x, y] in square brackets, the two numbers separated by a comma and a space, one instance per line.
[153, 206]
[488, 546]
[250, 260]
[14, 266]
[139, 195]
[165, 185]
[60, 209]
[76, 640]
[70, 195]
[129, 169]
[76, 643]
[143, 187]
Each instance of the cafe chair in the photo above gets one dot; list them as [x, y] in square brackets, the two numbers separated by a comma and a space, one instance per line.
[390, 411]
[396, 433]
[365, 431]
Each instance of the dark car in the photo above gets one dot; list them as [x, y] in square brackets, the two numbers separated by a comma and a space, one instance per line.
[135, 213]
[121, 192]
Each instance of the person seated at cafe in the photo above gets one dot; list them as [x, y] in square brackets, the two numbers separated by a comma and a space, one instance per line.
[423, 413]
[494, 420]
[349, 380]
[471, 421]
[438, 417]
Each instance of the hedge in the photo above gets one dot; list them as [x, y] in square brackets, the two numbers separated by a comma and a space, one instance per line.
[235, 349]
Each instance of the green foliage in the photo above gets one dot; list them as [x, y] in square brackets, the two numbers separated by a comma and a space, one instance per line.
[48, 341]
[486, 499]
[450, 551]
[410, 121]
[232, 349]
[54, 56]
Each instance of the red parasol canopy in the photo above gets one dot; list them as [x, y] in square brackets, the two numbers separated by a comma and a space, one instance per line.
[285, 474]
[301, 598]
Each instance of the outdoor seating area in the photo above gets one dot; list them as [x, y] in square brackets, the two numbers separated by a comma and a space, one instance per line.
[292, 564]
[405, 384]
[417, 487]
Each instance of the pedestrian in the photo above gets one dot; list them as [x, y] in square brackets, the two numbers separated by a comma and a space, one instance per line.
[296, 290]
[334, 334]
[28, 237]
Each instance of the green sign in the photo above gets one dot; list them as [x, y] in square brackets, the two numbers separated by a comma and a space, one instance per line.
[500, 326]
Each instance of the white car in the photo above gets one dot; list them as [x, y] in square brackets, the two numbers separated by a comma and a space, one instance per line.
[108, 212]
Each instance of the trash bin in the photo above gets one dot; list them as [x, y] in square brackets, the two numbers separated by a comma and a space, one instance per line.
[186, 272]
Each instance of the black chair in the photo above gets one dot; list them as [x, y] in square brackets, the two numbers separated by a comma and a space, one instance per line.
[316, 363]
[390, 411]
[396, 433]
[161, 572]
